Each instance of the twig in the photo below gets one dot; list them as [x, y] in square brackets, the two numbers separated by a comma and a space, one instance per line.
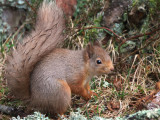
[96, 28]
[30, 6]
[141, 35]
[19, 29]
[103, 28]
[137, 36]
[150, 41]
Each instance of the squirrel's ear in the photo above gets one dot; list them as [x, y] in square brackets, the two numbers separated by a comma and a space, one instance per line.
[96, 43]
[90, 50]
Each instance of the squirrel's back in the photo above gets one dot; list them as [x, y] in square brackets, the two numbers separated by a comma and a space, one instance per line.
[51, 77]
[46, 36]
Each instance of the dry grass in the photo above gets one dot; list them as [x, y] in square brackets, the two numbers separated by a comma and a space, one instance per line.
[138, 77]
[136, 84]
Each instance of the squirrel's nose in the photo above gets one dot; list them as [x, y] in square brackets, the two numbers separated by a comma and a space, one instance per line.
[112, 69]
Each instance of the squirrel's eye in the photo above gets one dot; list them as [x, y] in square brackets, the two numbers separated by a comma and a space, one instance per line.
[99, 62]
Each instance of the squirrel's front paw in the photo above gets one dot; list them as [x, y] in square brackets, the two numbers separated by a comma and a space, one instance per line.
[93, 94]
[88, 97]
[90, 94]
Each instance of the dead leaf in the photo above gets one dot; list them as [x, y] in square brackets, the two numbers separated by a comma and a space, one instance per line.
[155, 103]
[113, 105]
[109, 107]
[144, 101]
[158, 86]
[68, 6]
[118, 83]
[1, 95]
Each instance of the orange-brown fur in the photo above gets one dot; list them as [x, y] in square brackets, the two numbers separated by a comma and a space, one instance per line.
[65, 86]
[46, 75]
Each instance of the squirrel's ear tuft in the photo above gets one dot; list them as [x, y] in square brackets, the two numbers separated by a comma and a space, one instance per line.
[97, 43]
[90, 50]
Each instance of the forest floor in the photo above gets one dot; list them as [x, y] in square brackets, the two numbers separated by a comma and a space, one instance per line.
[135, 54]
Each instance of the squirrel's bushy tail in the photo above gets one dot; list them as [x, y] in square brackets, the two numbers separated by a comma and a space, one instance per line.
[47, 35]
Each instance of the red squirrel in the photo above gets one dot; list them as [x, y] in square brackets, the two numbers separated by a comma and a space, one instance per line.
[39, 71]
